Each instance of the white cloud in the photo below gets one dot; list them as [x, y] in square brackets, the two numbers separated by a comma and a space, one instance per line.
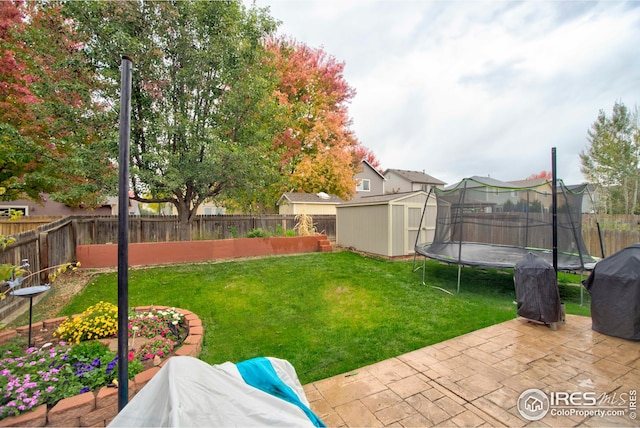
[463, 88]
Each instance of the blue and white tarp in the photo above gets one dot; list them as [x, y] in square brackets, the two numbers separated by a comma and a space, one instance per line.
[188, 392]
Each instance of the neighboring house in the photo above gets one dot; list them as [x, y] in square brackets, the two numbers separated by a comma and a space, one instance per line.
[369, 182]
[544, 191]
[487, 194]
[206, 208]
[210, 208]
[590, 197]
[400, 181]
[308, 203]
[49, 207]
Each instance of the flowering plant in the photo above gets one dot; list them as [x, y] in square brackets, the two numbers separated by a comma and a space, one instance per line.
[154, 323]
[96, 322]
[159, 346]
[48, 374]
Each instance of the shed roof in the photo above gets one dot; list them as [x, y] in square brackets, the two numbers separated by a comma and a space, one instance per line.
[381, 199]
[415, 176]
[310, 198]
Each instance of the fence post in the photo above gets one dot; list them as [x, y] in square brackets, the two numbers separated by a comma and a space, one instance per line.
[43, 254]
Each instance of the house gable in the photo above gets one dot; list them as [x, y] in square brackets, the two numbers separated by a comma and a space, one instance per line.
[368, 182]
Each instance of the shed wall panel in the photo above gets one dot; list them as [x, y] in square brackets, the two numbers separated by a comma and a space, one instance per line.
[350, 231]
[398, 230]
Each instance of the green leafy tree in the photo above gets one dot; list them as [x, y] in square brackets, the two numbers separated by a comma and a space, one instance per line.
[51, 127]
[612, 159]
[201, 95]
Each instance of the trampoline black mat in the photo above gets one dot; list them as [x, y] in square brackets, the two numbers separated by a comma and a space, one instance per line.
[498, 256]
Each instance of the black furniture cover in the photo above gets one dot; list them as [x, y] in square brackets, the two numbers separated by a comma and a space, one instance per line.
[614, 285]
[537, 290]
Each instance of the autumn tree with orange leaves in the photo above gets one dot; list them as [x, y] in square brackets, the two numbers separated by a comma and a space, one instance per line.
[317, 149]
[51, 127]
[541, 174]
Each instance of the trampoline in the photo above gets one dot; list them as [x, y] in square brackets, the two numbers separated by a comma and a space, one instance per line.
[486, 223]
[498, 256]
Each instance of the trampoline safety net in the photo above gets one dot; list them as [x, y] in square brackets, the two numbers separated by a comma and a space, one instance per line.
[478, 224]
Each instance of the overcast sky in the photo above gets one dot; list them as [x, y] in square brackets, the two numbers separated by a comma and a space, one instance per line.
[463, 88]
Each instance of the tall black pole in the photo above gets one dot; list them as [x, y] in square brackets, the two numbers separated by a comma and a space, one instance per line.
[123, 233]
[554, 208]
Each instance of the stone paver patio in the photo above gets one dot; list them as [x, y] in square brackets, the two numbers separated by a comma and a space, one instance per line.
[476, 380]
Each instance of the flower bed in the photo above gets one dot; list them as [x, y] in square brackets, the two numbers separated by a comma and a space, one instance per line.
[98, 406]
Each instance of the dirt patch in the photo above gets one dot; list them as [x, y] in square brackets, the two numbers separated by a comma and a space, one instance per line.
[63, 289]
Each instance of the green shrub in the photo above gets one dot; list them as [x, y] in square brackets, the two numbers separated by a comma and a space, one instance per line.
[258, 233]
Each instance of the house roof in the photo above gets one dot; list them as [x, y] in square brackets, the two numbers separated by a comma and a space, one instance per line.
[310, 198]
[477, 181]
[378, 199]
[415, 176]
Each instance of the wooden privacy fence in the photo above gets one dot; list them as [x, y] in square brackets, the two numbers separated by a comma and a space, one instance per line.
[617, 231]
[50, 245]
[104, 230]
[24, 224]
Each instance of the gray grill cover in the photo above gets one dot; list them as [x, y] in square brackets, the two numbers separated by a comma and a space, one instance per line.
[537, 290]
[614, 286]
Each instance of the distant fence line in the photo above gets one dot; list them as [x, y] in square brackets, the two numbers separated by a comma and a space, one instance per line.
[54, 243]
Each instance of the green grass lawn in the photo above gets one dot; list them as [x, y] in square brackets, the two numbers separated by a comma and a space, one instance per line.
[327, 313]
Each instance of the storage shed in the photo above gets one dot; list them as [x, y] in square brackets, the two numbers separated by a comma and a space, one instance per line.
[386, 225]
[308, 203]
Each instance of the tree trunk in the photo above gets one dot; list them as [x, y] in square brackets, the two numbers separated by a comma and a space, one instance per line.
[184, 222]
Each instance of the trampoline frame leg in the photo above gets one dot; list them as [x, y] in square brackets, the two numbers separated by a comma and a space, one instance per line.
[581, 289]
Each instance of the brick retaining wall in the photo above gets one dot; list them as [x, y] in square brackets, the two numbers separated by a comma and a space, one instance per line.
[153, 253]
[98, 408]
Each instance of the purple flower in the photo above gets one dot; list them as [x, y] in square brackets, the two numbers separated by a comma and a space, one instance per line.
[84, 389]
[50, 388]
[111, 366]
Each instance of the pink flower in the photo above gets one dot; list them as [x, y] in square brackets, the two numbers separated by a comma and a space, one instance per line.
[131, 356]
